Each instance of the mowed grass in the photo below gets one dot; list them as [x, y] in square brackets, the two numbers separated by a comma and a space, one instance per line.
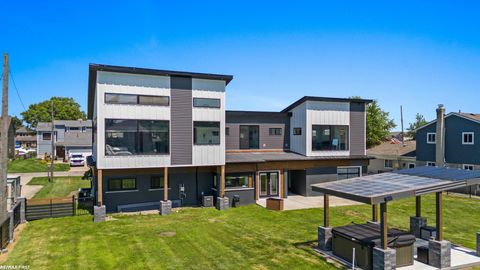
[34, 165]
[248, 237]
[60, 187]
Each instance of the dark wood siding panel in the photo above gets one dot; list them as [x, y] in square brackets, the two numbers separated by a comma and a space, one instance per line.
[181, 127]
[357, 128]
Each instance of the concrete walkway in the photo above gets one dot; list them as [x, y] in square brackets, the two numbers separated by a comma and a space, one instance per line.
[295, 202]
[28, 191]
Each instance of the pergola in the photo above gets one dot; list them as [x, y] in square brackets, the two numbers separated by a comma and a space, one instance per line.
[382, 188]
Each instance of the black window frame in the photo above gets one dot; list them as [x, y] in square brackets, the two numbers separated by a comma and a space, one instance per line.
[275, 131]
[45, 133]
[347, 173]
[331, 136]
[227, 131]
[470, 136]
[138, 97]
[207, 106]
[297, 131]
[161, 184]
[195, 133]
[122, 179]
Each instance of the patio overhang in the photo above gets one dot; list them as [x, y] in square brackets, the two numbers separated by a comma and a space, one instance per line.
[400, 184]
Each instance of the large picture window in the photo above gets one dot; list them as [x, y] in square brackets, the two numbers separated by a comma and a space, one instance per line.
[238, 181]
[329, 138]
[206, 133]
[117, 184]
[136, 137]
[136, 99]
[206, 102]
[156, 182]
[348, 172]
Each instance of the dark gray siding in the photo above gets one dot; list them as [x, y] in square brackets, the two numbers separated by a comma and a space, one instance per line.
[357, 128]
[425, 151]
[455, 151]
[196, 183]
[247, 196]
[265, 121]
[298, 182]
[181, 125]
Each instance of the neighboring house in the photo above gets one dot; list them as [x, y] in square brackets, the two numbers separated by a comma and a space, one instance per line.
[155, 123]
[392, 155]
[70, 136]
[457, 145]
[25, 138]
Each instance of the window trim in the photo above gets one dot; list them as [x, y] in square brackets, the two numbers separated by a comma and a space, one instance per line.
[346, 167]
[428, 137]
[137, 99]
[347, 142]
[209, 107]
[465, 165]
[297, 129]
[385, 164]
[270, 133]
[468, 133]
[431, 164]
[122, 189]
[219, 133]
[45, 133]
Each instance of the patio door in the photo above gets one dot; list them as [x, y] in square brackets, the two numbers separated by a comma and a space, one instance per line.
[249, 137]
[268, 184]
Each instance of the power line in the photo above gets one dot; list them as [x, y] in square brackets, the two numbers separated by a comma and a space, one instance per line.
[16, 89]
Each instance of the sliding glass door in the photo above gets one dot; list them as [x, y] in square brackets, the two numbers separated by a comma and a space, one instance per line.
[268, 184]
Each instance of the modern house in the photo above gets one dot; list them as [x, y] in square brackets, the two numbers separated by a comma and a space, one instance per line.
[25, 138]
[165, 137]
[392, 155]
[70, 136]
[452, 140]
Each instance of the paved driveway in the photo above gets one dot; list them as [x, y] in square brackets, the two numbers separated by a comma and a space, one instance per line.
[28, 191]
[295, 201]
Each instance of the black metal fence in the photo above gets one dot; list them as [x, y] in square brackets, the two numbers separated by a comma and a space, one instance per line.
[5, 233]
[58, 207]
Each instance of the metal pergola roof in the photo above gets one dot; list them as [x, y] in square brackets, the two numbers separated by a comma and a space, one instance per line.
[379, 188]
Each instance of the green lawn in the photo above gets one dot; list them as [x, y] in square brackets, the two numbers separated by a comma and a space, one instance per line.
[248, 237]
[33, 165]
[60, 187]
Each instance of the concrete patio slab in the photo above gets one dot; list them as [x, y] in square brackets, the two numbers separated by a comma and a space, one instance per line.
[295, 202]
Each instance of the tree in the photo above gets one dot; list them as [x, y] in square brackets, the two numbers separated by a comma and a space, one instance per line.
[419, 122]
[64, 109]
[17, 122]
[378, 124]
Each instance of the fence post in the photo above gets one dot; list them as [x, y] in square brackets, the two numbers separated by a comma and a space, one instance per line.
[73, 205]
[11, 227]
[23, 208]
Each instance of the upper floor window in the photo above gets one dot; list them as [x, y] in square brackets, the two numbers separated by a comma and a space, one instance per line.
[206, 133]
[206, 102]
[297, 131]
[468, 167]
[136, 99]
[227, 131]
[431, 137]
[275, 131]
[46, 136]
[136, 137]
[468, 138]
[249, 137]
[329, 138]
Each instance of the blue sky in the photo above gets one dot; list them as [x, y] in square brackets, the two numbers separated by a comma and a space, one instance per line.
[417, 54]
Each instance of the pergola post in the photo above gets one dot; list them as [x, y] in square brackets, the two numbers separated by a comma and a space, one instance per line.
[439, 249]
[417, 221]
[325, 231]
[165, 204]
[374, 212]
[99, 210]
[384, 257]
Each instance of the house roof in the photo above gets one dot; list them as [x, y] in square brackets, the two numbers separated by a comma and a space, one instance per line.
[392, 149]
[47, 126]
[93, 68]
[331, 99]
[23, 130]
[76, 139]
[28, 138]
[258, 157]
[469, 116]
[383, 187]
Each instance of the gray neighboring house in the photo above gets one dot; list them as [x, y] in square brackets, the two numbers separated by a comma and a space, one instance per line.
[458, 146]
[391, 155]
[71, 136]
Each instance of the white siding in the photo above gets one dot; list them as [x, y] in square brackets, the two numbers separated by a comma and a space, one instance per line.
[210, 154]
[298, 120]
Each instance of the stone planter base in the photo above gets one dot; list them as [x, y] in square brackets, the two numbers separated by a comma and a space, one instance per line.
[223, 203]
[165, 207]
[325, 238]
[384, 259]
[439, 253]
[99, 213]
[416, 223]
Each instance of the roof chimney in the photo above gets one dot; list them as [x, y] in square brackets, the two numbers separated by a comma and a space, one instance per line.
[440, 137]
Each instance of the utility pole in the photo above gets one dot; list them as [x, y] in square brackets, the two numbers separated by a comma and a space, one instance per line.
[401, 121]
[4, 142]
[52, 155]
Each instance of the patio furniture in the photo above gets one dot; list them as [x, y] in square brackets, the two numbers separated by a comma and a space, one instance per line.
[428, 232]
[364, 237]
[422, 254]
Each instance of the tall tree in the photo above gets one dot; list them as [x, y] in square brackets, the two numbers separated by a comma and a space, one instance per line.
[419, 122]
[378, 124]
[17, 122]
[64, 109]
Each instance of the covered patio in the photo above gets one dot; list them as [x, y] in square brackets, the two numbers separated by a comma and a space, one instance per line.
[379, 247]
